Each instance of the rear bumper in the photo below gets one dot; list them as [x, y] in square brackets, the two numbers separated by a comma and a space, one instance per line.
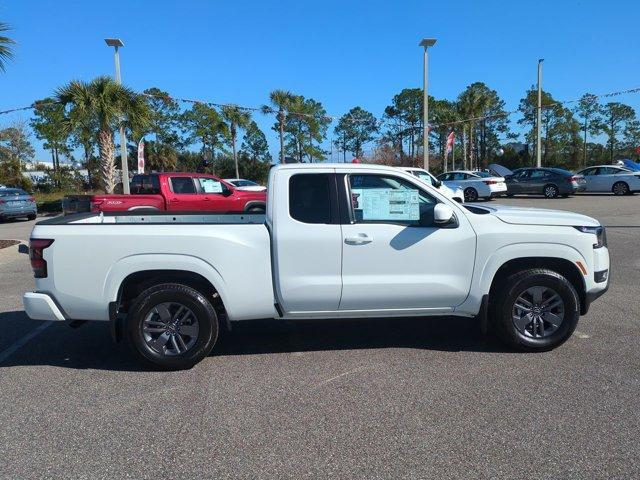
[19, 212]
[40, 306]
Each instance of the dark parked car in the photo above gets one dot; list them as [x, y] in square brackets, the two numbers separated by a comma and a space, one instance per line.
[550, 182]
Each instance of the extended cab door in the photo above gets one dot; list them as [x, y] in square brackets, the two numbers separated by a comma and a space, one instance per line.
[182, 194]
[307, 239]
[394, 256]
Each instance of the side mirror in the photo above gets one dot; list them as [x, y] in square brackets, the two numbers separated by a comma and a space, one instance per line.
[437, 183]
[442, 214]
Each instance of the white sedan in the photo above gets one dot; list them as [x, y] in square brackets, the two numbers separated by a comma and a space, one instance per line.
[246, 185]
[476, 184]
[450, 190]
[610, 178]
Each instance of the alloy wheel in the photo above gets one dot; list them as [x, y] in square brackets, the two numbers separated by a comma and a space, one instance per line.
[170, 329]
[551, 191]
[620, 188]
[538, 312]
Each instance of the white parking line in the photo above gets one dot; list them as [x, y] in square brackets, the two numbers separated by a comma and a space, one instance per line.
[23, 341]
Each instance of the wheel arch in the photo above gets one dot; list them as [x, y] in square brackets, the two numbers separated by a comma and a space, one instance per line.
[566, 268]
[131, 275]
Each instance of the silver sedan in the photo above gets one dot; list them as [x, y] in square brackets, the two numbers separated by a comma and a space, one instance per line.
[16, 203]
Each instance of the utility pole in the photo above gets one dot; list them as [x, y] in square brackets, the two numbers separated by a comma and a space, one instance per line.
[426, 43]
[539, 118]
[116, 43]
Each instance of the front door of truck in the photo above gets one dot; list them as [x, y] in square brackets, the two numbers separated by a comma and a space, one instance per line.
[215, 196]
[394, 256]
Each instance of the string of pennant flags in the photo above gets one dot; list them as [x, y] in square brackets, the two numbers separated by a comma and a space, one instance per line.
[269, 110]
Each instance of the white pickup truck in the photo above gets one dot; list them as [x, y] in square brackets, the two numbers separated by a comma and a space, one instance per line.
[336, 241]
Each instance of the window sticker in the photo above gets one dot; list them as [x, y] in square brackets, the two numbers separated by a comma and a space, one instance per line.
[386, 204]
[209, 185]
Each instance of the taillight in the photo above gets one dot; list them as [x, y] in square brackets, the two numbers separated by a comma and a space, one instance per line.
[573, 179]
[490, 182]
[36, 255]
[1, 201]
[95, 205]
[31, 199]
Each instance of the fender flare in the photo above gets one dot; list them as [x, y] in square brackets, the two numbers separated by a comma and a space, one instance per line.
[166, 261]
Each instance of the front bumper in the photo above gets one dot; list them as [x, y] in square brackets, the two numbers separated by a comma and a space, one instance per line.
[40, 306]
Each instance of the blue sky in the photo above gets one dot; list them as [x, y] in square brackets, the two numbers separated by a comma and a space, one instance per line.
[342, 53]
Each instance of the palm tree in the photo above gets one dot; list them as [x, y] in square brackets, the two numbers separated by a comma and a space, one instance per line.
[236, 118]
[281, 99]
[6, 52]
[472, 103]
[106, 104]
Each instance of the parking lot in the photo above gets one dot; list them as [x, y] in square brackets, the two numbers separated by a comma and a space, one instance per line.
[390, 398]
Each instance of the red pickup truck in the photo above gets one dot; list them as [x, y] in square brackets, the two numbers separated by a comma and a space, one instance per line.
[173, 192]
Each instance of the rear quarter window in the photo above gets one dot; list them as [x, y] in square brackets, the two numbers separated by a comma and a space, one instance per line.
[310, 198]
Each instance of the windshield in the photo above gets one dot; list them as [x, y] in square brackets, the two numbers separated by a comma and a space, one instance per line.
[561, 171]
[244, 183]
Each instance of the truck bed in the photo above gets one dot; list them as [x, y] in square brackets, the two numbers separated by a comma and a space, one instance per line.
[92, 254]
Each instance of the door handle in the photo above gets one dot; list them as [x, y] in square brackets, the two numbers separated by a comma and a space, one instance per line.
[360, 239]
[206, 199]
[174, 200]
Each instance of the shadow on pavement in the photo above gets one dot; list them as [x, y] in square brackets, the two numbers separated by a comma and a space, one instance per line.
[91, 346]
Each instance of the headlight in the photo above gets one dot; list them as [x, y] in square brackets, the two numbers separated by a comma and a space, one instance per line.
[599, 232]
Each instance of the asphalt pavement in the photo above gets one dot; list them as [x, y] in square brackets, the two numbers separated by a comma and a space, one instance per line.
[383, 398]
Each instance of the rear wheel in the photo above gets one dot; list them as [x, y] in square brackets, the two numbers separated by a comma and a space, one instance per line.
[620, 188]
[256, 209]
[535, 310]
[551, 191]
[470, 194]
[171, 326]
[31, 217]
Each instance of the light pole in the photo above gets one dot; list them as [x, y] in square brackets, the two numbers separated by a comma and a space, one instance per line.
[539, 120]
[426, 43]
[116, 43]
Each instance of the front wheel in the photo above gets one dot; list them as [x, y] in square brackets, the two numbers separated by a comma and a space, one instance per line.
[535, 310]
[171, 326]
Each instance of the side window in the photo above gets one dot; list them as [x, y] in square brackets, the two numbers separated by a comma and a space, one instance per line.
[210, 185]
[135, 187]
[537, 174]
[310, 198]
[598, 171]
[588, 171]
[458, 176]
[388, 199]
[149, 185]
[182, 185]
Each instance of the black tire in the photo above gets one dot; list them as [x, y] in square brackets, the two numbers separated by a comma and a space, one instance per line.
[203, 312]
[510, 195]
[620, 188]
[502, 309]
[551, 191]
[470, 194]
[31, 217]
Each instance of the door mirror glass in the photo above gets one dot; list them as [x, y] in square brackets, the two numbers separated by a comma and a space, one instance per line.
[442, 214]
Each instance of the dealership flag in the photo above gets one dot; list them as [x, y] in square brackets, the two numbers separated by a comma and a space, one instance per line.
[450, 139]
[141, 156]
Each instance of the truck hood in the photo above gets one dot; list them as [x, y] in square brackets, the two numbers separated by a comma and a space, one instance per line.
[539, 216]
